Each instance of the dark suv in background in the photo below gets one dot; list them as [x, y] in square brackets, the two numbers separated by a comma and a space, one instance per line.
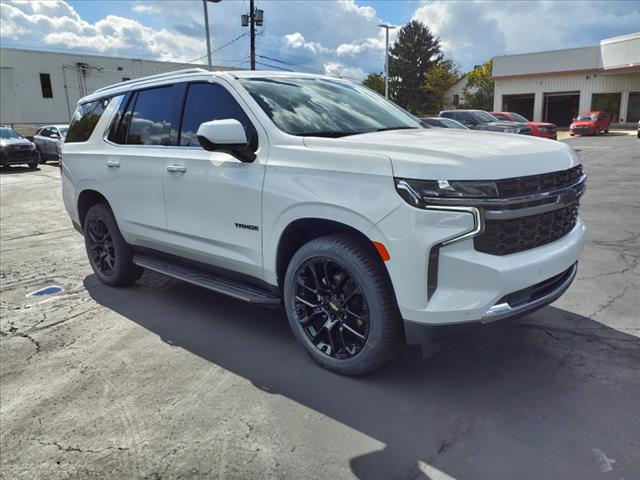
[481, 120]
[17, 150]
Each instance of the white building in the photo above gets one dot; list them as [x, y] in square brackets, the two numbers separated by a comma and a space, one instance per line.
[555, 86]
[39, 87]
[454, 98]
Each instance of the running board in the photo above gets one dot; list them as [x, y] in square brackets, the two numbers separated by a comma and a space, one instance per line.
[225, 286]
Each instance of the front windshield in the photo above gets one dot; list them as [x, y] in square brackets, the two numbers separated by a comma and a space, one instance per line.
[450, 123]
[325, 107]
[585, 117]
[484, 117]
[7, 133]
[63, 132]
[518, 118]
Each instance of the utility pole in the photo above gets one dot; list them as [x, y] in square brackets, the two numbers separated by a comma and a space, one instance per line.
[251, 19]
[206, 28]
[386, 57]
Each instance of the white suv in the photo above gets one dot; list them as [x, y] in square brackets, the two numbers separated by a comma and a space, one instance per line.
[318, 194]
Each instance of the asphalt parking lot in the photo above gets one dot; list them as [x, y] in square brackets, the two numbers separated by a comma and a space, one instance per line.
[166, 380]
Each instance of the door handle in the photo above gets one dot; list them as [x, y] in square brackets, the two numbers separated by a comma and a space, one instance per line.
[176, 168]
[112, 163]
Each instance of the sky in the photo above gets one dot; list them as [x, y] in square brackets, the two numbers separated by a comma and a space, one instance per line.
[325, 36]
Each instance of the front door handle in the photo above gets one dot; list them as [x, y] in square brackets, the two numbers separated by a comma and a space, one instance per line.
[112, 163]
[176, 168]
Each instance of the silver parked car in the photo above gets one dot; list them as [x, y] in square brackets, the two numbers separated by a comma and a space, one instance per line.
[49, 140]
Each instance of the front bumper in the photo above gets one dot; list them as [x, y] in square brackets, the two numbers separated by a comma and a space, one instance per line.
[18, 157]
[471, 286]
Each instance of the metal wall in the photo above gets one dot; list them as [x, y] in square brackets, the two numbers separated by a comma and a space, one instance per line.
[72, 77]
[585, 83]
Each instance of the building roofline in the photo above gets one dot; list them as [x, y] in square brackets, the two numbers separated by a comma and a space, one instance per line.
[539, 52]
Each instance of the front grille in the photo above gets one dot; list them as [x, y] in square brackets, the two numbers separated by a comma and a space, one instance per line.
[532, 184]
[15, 153]
[502, 237]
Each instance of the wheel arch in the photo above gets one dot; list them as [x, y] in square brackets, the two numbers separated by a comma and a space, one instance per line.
[303, 230]
[87, 199]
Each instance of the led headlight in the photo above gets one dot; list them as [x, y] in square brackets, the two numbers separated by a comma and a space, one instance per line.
[421, 193]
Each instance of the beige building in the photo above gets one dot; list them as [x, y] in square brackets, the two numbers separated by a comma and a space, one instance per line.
[555, 86]
[39, 87]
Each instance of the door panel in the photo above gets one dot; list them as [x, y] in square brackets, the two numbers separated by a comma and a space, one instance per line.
[206, 201]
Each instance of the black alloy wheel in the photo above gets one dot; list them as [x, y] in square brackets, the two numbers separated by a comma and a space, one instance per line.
[100, 246]
[331, 308]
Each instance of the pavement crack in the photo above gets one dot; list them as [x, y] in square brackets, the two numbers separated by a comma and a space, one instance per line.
[68, 449]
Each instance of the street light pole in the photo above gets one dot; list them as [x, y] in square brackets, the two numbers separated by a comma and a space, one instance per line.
[206, 28]
[386, 57]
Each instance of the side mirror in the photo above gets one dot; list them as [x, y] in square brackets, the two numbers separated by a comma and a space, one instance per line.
[226, 136]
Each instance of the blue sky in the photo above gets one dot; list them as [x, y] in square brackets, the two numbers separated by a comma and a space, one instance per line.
[334, 36]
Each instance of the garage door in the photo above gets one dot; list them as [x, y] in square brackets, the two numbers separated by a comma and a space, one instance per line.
[561, 107]
[522, 104]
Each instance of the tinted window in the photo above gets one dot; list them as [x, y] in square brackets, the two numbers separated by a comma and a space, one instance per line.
[500, 116]
[149, 124]
[45, 132]
[85, 119]
[448, 114]
[209, 101]
[120, 121]
[45, 85]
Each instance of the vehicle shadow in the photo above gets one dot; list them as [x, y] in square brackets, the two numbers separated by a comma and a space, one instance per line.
[553, 395]
[12, 169]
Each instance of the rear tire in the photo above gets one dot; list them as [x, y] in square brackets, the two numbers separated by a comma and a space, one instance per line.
[111, 258]
[352, 325]
[32, 166]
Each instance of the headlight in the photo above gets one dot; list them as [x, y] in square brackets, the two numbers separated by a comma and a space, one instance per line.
[511, 130]
[421, 193]
[32, 146]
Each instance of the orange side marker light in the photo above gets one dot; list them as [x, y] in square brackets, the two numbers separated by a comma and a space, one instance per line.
[382, 251]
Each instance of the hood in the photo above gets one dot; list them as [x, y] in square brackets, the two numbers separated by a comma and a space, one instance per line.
[5, 142]
[451, 154]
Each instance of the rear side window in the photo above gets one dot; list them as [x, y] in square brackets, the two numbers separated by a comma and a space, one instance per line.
[150, 123]
[210, 101]
[85, 119]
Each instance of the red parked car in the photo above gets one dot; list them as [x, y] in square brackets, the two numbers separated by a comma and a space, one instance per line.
[590, 123]
[538, 129]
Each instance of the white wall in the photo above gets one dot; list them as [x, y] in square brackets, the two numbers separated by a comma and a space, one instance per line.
[585, 83]
[21, 100]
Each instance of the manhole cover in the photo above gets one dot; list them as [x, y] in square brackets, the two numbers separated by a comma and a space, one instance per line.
[45, 291]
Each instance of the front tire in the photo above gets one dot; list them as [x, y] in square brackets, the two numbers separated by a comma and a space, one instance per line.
[341, 306]
[32, 166]
[110, 256]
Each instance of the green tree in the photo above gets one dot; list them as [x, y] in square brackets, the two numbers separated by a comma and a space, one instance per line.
[375, 81]
[412, 55]
[478, 93]
[440, 78]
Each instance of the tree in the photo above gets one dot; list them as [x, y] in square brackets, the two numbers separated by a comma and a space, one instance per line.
[375, 81]
[412, 55]
[440, 78]
[478, 93]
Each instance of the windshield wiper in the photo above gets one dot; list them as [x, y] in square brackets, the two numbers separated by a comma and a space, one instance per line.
[328, 134]
[404, 127]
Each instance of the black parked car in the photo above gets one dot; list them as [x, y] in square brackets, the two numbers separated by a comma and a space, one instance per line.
[481, 120]
[17, 150]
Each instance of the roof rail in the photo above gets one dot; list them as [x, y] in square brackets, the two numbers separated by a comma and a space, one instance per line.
[173, 73]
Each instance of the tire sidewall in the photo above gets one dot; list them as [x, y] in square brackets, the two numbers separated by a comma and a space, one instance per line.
[371, 352]
[122, 254]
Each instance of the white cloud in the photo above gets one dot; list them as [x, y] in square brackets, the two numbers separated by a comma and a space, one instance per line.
[140, 7]
[60, 26]
[338, 69]
[474, 31]
[296, 40]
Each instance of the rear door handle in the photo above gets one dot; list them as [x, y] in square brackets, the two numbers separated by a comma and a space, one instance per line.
[176, 168]
[112, 163]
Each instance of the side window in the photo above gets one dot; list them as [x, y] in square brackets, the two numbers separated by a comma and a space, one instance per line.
[44, 132]
[447, 115]
[85, 119]
[120, 122]
[210, 101]
[149, 124]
